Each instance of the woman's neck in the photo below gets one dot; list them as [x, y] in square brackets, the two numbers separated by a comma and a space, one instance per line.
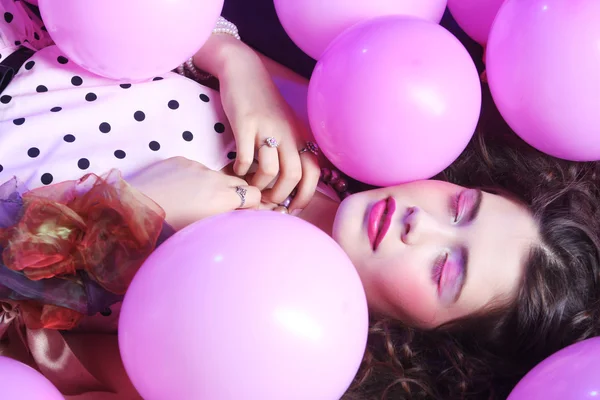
[321, 212]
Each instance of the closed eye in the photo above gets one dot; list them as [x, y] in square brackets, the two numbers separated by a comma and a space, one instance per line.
[465, 205]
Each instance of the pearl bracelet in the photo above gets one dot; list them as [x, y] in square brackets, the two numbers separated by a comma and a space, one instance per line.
[189, 69]
[227, 27]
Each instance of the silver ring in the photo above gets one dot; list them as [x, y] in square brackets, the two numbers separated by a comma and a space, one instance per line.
[242, 193]
[271, 142]
[310, 147]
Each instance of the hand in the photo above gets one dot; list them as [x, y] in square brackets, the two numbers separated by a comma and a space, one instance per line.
[256, 111]
[188, 191]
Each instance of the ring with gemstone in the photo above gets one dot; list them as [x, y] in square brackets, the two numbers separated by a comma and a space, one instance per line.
[310, 147]
[271, 142]
[242, 193]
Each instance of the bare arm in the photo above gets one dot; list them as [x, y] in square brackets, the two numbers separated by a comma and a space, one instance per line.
[220, 52]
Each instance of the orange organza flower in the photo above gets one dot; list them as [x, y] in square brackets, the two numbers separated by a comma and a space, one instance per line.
[100, 225]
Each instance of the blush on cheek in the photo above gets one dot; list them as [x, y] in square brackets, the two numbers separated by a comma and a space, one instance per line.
[410, 301]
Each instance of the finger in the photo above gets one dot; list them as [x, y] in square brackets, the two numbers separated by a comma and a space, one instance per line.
[307, 186]
[267, 206]
[244, 140]
[234, 181]
[290, 173]
[242, 197]
[268, 167]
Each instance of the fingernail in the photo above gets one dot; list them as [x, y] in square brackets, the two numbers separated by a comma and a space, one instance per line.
[281, 209]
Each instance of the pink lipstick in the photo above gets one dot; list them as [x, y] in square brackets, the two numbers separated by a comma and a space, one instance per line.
[380, 219]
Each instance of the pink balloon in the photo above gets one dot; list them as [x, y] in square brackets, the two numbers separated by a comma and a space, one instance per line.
[245, 305]
[19, 381]
[570, 374]
[393, 100]
[543, 63]
[313, 24]
[130, 40]
[475, 17]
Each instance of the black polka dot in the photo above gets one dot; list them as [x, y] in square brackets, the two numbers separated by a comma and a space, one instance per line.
[19, 121]
[69, 138]
[154, 145]
[29, 65]
[62, 60]
[187, 136]
[83, 163]
[232, 155]
[106, 312]
[125, 85]
[105, 127]
[173, 104]
[219, 127]
[1, 168]
[47, 178]
[33, 152]
[8, 17]
[55, 109]
[17, 42]
[139, 116]
[5, 99]
[41, 89]
[76, 81]
[36, 36]
[44, 29]
[204, 98]
[91, 97]
[120, 154]
[158, 78]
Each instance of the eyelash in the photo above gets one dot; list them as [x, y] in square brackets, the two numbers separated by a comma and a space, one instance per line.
[456, 209]
[438, 268]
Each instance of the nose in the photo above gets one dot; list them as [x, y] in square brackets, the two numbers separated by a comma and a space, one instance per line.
[419, 227]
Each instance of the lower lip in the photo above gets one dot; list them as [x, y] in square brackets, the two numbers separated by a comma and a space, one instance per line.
[380, 221]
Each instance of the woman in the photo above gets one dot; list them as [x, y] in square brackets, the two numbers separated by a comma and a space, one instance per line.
[485, 284]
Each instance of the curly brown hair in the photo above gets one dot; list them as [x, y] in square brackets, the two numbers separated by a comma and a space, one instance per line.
[483, 356]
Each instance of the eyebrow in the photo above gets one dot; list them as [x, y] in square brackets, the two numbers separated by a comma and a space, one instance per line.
[472, 216]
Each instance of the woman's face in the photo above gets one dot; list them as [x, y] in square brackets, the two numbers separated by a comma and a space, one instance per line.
[430, 252]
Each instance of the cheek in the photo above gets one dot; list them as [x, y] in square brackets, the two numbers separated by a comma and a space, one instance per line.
[402, 290]
[347, 223]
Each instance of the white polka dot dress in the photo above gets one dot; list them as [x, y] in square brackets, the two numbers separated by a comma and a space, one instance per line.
[59, 122]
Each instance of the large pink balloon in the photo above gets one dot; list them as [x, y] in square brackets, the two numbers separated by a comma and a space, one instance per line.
[313, 24]
[543, 63]
[393, 100]
[475, 17]
[570, 374]
[19, 381]
[246, 305]
[130, 40]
